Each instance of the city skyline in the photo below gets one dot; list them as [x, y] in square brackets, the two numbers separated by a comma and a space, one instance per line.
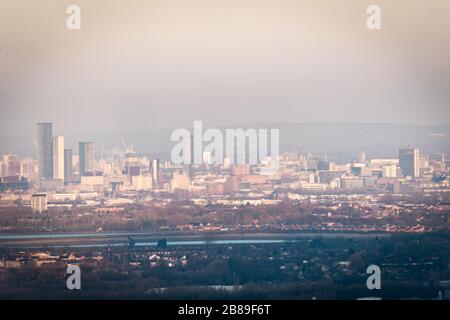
[250, 151]
[377, 139]
[52, 154]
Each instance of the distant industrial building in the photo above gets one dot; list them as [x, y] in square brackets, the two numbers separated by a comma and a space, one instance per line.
[383, 162]
[39, 202]
[93, 183]
[50, 185]
[9, 166]
[390, 171]
[13, 183]
[141, 182]
[179, 181]
[352, 183]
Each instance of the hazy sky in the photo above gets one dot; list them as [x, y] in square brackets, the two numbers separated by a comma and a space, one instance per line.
[143, 64]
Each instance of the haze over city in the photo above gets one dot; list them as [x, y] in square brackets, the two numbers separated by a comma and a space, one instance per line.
[144, 65]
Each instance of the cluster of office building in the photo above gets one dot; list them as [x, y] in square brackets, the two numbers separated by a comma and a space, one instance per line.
[60, 176]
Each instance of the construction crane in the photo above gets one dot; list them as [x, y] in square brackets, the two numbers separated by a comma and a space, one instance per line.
[442, 156]
[103, 150]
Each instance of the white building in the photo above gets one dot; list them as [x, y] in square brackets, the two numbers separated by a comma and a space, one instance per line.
[179, 181]
[378, 163]
[39, 202]
[58, 157]
[390, 171]
[141, 182]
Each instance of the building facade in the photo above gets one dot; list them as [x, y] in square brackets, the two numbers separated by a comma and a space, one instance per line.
[409, 162]
[58, 157]
[39, 202]
[155, 165]
[86, 161]
[45, 150]
[68, 166]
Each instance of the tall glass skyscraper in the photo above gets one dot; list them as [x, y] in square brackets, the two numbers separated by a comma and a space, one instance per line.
[45, 150]
[68, 173]
[86, 153]
[409, 162]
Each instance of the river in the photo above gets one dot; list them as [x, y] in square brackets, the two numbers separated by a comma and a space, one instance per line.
[105, 239]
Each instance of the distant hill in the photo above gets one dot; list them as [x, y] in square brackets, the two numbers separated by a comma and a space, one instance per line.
[343, 140]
